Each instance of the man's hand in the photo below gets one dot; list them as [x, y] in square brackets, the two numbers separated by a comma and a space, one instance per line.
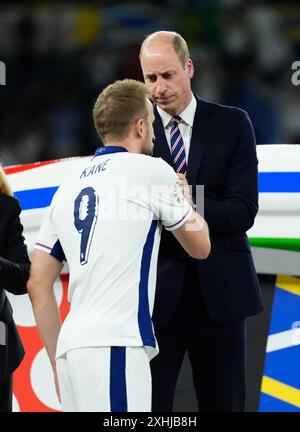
[185, 188]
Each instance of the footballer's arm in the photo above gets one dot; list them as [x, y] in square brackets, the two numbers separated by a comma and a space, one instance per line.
[194, 237]
[44, 271]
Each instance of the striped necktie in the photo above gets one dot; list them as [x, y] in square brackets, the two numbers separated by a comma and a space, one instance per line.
[177, 147]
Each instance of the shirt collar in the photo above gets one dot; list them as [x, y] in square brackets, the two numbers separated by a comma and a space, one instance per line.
[109, 150]
[187, 115]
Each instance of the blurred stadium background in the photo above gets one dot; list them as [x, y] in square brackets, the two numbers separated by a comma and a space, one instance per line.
[58, 57]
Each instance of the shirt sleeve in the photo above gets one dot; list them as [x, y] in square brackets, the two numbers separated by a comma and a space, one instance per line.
[47, 238]
[167, 200]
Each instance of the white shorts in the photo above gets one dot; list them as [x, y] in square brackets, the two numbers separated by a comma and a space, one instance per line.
[105, 379]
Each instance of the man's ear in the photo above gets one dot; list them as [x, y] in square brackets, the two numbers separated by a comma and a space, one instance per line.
[190, 67]
[139, 126]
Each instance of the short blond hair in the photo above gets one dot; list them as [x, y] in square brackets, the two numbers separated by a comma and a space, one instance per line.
[118, 106]
[176, 40]
[4, 184]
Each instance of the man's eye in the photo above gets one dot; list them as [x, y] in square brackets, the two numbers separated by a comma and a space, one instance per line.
[151, 78]
[168, 75]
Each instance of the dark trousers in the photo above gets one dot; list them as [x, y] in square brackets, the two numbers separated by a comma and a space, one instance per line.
[6, 395]
[216, 353]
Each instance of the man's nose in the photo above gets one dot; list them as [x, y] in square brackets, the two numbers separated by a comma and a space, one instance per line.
[160, 86]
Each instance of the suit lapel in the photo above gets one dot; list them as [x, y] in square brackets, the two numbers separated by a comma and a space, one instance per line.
[199, 140]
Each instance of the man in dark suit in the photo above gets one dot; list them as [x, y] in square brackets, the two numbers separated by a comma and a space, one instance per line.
[201, 307]
[14, 272]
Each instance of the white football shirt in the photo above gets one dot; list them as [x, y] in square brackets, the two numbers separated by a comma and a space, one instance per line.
[105, 221]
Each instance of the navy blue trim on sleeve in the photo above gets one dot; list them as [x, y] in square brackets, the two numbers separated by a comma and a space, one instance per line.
[57, 252]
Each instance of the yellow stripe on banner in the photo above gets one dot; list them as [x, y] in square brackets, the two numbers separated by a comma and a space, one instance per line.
[281, 391]
[288, 283]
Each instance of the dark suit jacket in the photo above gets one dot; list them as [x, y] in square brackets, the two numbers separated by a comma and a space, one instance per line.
[222, 157]
[14, 271]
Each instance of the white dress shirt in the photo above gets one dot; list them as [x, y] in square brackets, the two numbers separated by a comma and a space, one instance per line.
[185, 126]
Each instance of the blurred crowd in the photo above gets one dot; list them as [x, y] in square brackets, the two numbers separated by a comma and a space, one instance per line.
[59, 56]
